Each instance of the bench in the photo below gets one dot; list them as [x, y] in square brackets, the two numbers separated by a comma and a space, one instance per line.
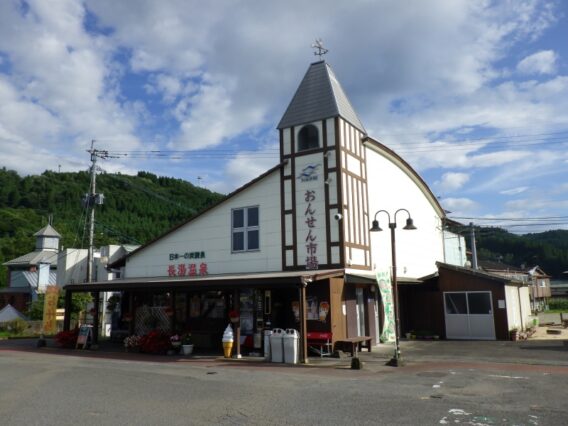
[355, 344]
[320, 343]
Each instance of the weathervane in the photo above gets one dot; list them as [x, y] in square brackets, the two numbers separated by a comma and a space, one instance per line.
[318, 45]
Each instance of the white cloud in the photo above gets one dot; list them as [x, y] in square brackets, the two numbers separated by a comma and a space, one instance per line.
[223, 72]
[452, 181]
[459, 206]
[514, 191]
[543, 62]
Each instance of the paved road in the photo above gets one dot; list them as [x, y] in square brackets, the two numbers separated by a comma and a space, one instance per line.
[47, 387]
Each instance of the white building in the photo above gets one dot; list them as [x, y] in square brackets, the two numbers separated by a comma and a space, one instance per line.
[297, 238]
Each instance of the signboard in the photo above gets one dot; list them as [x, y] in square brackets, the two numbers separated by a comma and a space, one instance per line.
[310, 213]
[50, 309]
[85, 336]
[385, 287]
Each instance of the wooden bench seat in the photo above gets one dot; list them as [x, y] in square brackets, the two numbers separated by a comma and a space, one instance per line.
[354, 344]
[320, 343]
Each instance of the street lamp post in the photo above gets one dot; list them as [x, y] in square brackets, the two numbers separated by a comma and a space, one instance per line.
[396, 360]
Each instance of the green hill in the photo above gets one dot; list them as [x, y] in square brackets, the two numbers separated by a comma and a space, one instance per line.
[547, 249]
[136, 208]
[139, 208]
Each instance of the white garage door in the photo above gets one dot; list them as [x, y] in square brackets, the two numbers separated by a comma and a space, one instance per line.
[469, 315]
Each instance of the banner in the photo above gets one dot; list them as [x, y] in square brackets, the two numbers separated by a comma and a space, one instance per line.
[385, 287]
[50, 309]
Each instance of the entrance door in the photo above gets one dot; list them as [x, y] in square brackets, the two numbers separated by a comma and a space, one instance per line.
[469, 315]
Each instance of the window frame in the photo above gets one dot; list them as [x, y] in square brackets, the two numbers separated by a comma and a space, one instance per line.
[306, 127]
[245, 229]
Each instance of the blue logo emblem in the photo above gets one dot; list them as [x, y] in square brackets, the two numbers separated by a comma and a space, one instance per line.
[309, 173]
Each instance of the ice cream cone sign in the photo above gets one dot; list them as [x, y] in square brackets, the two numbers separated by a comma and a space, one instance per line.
[323, 311]
[228, 341]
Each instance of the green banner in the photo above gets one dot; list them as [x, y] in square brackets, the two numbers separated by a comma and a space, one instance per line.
[385, 287]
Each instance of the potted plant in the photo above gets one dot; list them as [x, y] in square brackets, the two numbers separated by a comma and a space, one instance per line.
[186, 344]
[514, 332]
[132, 343]
[175, 340]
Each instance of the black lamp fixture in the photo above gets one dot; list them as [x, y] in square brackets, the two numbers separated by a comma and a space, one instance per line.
[396, 360]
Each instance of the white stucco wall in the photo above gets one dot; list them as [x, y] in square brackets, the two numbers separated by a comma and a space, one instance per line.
[211, 233]
[454, 249]
[514, 313]
[72, 266]
[390, 188]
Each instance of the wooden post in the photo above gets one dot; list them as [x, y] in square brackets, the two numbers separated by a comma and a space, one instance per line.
[96, 302]
[303, 326]
[67, 317]
[236, 297]
[173, 319]
[131, 311]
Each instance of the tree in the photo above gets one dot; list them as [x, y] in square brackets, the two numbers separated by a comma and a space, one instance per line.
[79, 302]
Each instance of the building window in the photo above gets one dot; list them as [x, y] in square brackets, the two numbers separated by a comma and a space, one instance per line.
[245, 232]
[308, 138]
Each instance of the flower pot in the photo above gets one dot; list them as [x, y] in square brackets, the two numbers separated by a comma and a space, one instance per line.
[186, 349]
[176, 345]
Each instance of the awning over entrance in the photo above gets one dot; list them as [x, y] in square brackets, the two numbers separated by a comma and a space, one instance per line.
[369, 277]
[275, 279]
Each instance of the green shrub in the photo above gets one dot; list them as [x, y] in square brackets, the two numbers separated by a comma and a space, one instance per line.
[17, 326]
[558, 304]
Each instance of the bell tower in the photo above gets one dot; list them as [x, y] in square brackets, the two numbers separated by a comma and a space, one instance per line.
[323, 187]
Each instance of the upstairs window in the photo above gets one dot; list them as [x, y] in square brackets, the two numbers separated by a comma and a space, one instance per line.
[308, 138]
[245, 230]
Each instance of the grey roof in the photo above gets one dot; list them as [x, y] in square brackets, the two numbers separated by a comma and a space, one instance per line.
[47, 231]
[319, 96]
[9, 313]
[34, 258]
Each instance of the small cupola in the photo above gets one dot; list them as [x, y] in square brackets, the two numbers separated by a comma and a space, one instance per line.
[47, 239]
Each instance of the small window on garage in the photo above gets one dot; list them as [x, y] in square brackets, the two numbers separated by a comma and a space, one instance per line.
[479, 303]
[308, 138]
[456, 303]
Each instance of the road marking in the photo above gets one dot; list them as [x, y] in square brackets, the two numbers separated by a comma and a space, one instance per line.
[508, 377]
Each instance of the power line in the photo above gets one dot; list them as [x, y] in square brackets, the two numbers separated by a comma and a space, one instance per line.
[510, 218]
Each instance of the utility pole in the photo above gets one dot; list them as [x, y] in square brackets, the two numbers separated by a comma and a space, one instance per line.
[473, 247]
[90, 201]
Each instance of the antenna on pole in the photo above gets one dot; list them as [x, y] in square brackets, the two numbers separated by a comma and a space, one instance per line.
[318, 46]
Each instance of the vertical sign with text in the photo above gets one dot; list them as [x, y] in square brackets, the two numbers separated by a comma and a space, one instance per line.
[50, 309]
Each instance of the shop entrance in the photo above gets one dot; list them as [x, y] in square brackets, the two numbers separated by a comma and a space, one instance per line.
[263, 309]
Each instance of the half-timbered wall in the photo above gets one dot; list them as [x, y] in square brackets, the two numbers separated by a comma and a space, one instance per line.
[309, 197]
[355, 222]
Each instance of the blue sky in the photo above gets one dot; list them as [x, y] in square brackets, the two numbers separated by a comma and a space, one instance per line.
[473, 94]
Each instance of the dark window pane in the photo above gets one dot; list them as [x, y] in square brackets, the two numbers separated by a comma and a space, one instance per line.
[238, 218]
[252, 216]
[308, 138]
[253, 243]
[479, 303]
[238, 241]
[455, 303]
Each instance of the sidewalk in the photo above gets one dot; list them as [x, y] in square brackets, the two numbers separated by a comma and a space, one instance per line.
[529, 352]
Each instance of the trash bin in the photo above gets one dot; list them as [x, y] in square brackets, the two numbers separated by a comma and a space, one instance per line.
[276, 348]
[291, 346]
[267, 334]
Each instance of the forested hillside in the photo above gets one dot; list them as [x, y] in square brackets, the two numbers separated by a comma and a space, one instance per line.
[548, 249]
[139, 208]
[136, 208]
